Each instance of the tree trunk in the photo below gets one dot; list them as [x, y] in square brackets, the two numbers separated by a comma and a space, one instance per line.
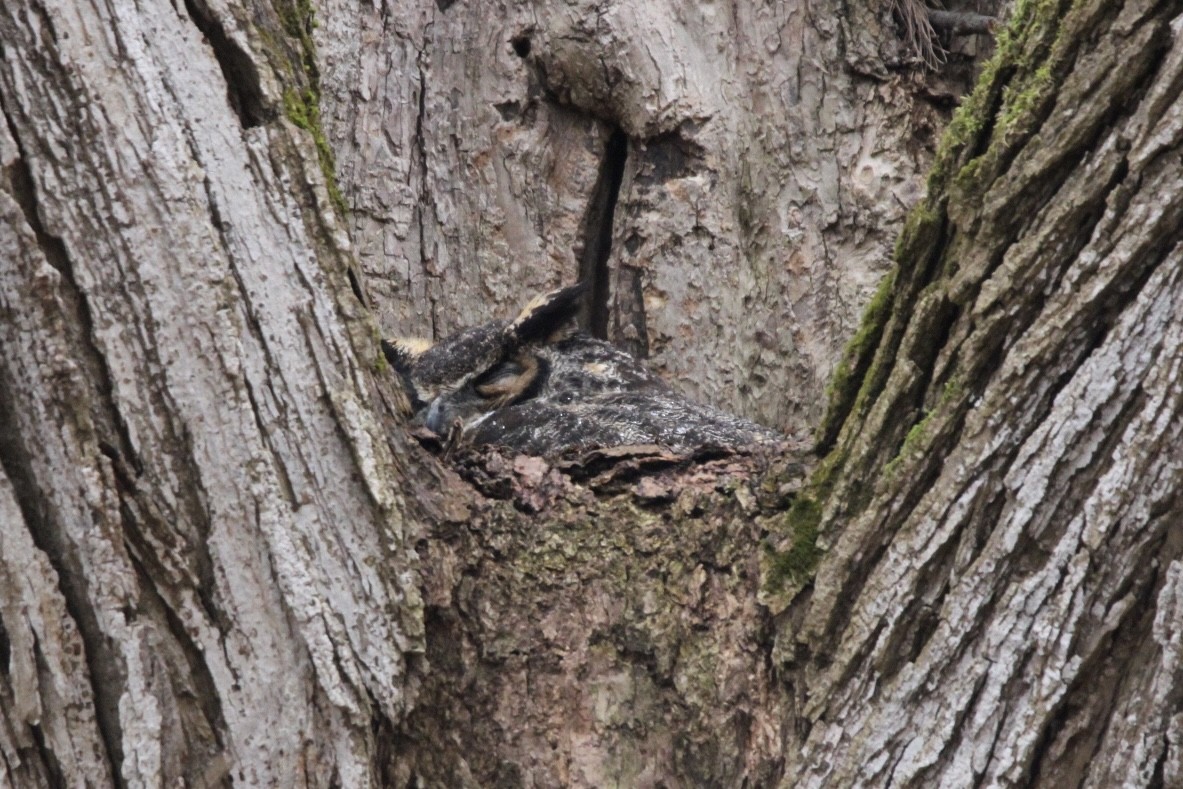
[999, 603]
[207, 571]
[222, 560]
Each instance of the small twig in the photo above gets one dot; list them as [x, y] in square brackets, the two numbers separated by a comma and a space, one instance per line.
[961, 23]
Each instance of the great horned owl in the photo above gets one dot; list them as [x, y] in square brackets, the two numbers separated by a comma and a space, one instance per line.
[537, 386]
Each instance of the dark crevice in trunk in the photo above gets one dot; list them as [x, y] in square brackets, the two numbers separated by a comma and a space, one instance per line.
[417, 140]
[355, 286]
[47, 756]
[104, 664]
[596, 245]
[195, 692]
[21, 181]
[243, 89]
[5, 650]
[54, 251]
[423, 188]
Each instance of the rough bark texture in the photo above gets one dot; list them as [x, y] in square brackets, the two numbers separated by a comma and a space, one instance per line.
[205, 571]
[999, 596]
[612, 637]
[1000, 600]
[214, 539]
[730, 176]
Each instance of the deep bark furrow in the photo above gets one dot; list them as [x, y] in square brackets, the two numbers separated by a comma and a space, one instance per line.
[1039, 172]
[40, 513]
[1103, 681]
[1052, 35]
[239, 70]
[74, 301]
[33, 480]
[195, 735]
[1050, 178]
[596, 242]
[49, 708]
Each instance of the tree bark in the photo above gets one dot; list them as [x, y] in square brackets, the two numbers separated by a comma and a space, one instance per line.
[207, 571]
[997, 597]
[729, 177]
[223, 561]
[999, 600]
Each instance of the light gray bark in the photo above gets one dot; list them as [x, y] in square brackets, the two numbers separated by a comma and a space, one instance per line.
[195, 468]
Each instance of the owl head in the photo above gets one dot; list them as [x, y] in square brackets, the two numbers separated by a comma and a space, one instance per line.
[462, 379]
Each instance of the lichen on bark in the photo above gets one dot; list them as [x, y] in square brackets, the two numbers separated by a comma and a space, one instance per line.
[634, 574]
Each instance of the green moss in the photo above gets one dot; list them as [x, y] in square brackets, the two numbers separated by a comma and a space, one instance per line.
[860, 375]
[302, 105]
[915, 436]
[796, 566]
[953, 390]
[969, 121]
[999, 105]
[1012, 91]
[303, 109]
[918, 433]
[1010, 96]
[856, 358]
[381, 365]
[1020, 101]
[920, 230]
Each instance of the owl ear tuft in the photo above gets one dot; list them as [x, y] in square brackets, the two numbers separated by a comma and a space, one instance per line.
[547, 314]
[403, 352]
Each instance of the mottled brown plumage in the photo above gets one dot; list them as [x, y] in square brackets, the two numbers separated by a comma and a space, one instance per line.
[535, 386]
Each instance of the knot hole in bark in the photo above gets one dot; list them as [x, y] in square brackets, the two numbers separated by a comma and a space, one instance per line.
[521, 45]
